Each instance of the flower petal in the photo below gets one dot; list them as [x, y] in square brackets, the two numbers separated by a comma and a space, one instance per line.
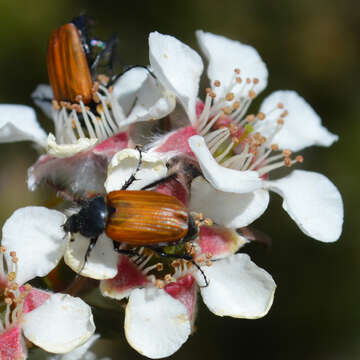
[227, 208]
[141, 96]
[37, 236]
[237, 287]
[102, 262]
[123, 165]
[67, 150]
[222, 178]
[129, 276]
[18, 123]
[313, 202]
[184, 289]
[176, 141]
[34, 298]
[219, 241]
[59, 325]
[12, 345]
[178, 68]
[226, 55]
[64, 175]
[302, 125]
[156, 325]
[81, 352]
[42, 97]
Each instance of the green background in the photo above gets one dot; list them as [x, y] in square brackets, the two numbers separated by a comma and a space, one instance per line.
[309, 46]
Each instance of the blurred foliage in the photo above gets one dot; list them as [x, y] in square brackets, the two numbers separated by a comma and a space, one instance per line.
[311, 46]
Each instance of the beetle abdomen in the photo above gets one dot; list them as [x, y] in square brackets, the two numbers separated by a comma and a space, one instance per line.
[68, 68]
[146, 218]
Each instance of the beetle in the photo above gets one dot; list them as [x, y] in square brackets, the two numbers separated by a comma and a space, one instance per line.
[72, 63]
[136, 218]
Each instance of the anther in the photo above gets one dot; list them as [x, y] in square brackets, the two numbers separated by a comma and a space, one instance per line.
[217, 83]
[280, 121]
[208, 255]
[12, 253]
[209, 263]
[159, 284]
[260, 116]
[168, 278]
[284, 113]
[11, 276]
[175, 263]
[78, 98]
[236, 105]
[229, 96]
[14, 259]
[208, 221]
[299, 158]
[250, 118]
[8, 301]
[252, 94]
[238, 80]
[255, 81]
[159, 267]
[287, 152]
[103, 79]
[56, 105]
[287, 162]
[2, 249]
[237, 71]
[227, 110]
[274, 147]
[248, 80]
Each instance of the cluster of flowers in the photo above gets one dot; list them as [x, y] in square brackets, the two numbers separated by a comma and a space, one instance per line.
[222, 156]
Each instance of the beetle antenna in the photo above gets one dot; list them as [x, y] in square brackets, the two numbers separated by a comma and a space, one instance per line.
[116, 77]
[132, 178]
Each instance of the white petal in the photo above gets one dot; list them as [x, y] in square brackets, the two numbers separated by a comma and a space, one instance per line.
[37, 236]
[178, 68]
[222, 178]
[59, 325]
[156, 324]
[226, 55]
[102, 262]
[302, 126]
[123, 165]
[67, 150]
[80, 353]
[225, 208]
[42, 97]
[18, 123]
[237, 287]
[313, 202]
[142, 97]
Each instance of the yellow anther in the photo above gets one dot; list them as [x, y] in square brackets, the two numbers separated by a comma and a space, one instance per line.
[229, 96]
[260, 116]
[217, 83]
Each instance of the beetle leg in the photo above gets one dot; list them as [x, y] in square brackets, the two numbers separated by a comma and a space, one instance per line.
[132, 178]
[88, 251]
[186, 257]
[124, 251]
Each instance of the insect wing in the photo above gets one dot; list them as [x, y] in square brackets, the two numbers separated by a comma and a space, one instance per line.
[146, 218]
[68, 69]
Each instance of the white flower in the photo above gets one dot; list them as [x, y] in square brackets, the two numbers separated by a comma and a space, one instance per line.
[135, 96]
[234, 150]
[162, 307]
[57, 323]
